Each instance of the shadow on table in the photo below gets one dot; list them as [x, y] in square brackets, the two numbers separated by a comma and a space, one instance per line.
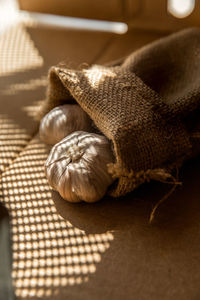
[182, 209]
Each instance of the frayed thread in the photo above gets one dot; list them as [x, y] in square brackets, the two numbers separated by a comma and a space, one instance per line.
[158, 174]
[166, 196]
[140, 177]
[175, 183]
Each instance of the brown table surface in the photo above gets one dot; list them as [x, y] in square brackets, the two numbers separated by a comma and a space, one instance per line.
[105, 250]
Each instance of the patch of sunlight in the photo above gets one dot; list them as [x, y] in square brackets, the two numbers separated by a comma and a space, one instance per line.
[17, 51]
[33, 110]
[48, 251]
[29, 85]
[97, 74]
[9, 14]
[180, 8]
[78, 23]
[13, 139]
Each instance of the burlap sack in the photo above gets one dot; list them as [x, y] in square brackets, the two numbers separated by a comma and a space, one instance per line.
[148, 106]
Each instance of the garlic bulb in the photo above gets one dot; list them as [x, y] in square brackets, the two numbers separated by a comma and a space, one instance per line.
[61, 121]
[77, 167]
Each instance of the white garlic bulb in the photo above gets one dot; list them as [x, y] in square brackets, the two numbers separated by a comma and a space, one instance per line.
[77, 167]
[61, 121]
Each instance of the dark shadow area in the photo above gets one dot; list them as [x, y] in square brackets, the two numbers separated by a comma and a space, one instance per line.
[179, 211]
[144, 261]
[57, 45]
[6, 288]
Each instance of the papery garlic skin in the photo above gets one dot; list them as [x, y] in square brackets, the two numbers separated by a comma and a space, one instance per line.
[77, 167]
[62, 121]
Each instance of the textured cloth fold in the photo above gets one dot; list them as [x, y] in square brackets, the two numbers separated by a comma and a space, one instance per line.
[148, 106]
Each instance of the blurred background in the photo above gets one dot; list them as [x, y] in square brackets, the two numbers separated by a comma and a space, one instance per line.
[156, 15]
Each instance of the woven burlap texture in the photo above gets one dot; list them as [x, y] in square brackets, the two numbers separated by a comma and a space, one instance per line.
[142, 105]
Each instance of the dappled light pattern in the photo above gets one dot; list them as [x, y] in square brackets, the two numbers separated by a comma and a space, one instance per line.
[12, 140]
[19, 59]
[48, 251]
[33, 109]
[17, 51]
[29, 85]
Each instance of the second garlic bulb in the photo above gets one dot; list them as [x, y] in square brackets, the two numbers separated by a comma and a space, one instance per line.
[62, 121]
[77, 167]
